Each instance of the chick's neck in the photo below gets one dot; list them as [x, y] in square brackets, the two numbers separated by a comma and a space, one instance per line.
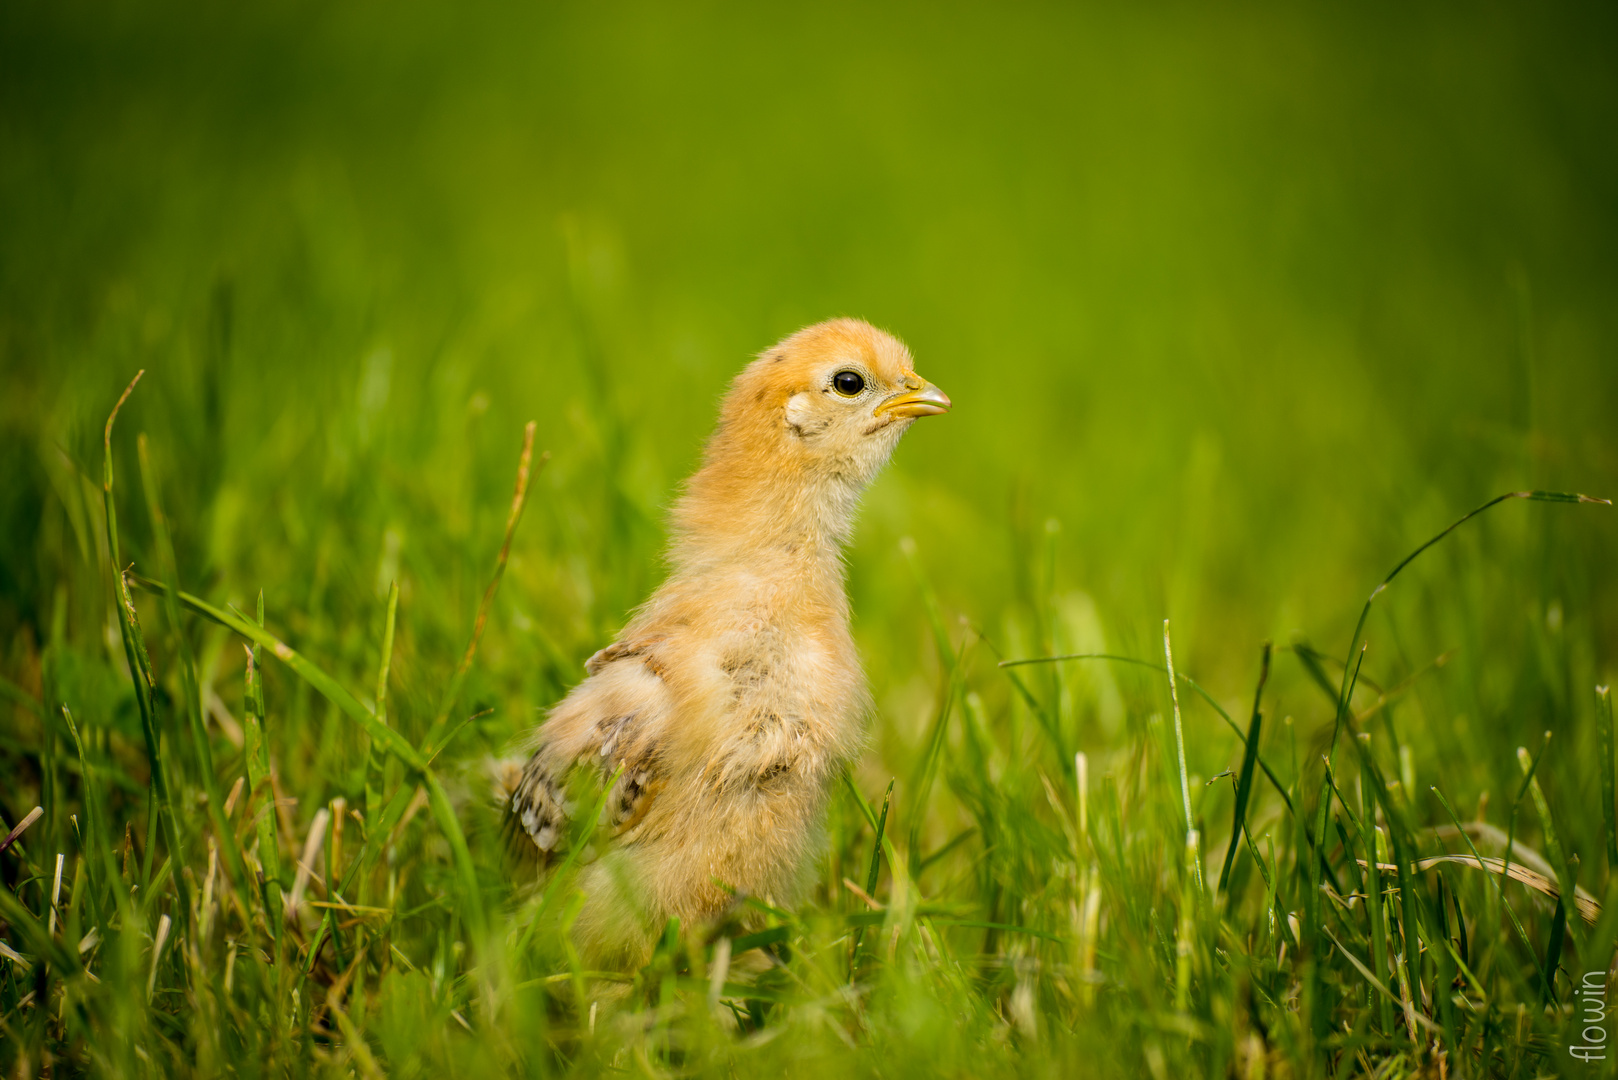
[766, 512]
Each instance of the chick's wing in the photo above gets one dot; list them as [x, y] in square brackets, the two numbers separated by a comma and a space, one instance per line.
[609, 725]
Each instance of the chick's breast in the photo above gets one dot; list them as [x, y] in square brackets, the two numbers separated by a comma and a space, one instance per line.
[725, 714]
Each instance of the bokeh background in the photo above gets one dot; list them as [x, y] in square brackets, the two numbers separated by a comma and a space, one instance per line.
[1237, 303]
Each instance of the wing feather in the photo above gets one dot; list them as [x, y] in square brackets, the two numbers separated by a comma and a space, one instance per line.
[609, 724]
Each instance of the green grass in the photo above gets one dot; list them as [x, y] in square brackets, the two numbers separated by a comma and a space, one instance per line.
[1238, 310]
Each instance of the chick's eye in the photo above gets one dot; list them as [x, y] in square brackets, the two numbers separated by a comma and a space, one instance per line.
[848, 383]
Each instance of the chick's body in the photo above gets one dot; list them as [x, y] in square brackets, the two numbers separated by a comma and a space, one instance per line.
[734, 697]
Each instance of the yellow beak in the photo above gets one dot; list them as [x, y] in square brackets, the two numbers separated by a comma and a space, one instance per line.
[921, 398]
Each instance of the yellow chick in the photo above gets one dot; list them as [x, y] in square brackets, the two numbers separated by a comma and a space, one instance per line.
[734, 697]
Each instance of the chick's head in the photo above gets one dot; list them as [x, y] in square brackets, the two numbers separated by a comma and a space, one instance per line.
[833, 399]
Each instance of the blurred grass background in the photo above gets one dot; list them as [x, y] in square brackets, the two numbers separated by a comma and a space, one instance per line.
[1237, 305]
[1244, 300]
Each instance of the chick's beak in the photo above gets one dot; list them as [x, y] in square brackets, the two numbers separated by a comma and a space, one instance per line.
[921, 398]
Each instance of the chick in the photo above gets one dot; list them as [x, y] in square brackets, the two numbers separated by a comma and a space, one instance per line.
[734, 697]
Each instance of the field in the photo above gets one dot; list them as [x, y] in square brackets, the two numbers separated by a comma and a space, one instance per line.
[1239, 307]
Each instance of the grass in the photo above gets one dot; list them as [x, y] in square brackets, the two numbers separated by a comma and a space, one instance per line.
[1057, 928]
[1234, 318]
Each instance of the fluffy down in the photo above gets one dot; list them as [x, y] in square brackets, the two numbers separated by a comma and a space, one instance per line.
[734, 697]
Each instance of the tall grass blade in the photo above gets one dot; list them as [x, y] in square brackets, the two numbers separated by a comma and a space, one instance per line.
[1319, 1019]
[1179, 728]
[1359, 627]
[519, 499]
[871, 819]
[927, 768]
[1185, 935]
[39, 940]
[1192, 835]
[1312, 662]
[376, 758]
[140, 664]
[1244, 782]
[1410, 955]
[449, 824]
[1375, 904]
[1605, 769]
[1444, 964]
[95, 843]
[1553, 842]
[876, 849]
[871, 878]
[1351, 669]
[256, 755]
[1553, 949]
[1529, 773]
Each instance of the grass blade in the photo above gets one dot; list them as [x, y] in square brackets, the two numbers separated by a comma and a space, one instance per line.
[256, 755]
[444, 814]
[96, 845]
[876, 849]
[518, 499]
[1553, 949]
[1553, 843]
[374, 766]
[871, 819]
[1605, 769]
[1585, 904]
[871, 877]
[1375, 904]
[1244, 782]
[927, 768]
[1359, 627]
[1179, 728]
[1192, 837]
[1185, 935]
[1409, 957]
[140, 664]
[1380, 986]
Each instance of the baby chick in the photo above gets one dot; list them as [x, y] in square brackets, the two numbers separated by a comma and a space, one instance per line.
[734, 697]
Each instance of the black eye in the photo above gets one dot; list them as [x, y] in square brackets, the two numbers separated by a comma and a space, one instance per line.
[848, 383]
